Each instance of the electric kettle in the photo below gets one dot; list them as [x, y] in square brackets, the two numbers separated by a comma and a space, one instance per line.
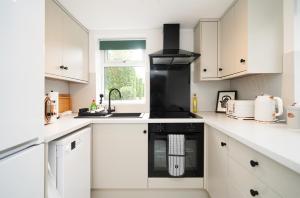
[265, 108]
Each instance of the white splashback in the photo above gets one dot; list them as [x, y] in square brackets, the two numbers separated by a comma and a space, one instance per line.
[250, 86]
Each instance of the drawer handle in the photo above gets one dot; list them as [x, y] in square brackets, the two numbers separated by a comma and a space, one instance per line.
[220, 69]
[205, 70]
[253, 193]
[61, 67]
[242, 61]
[66, 68]
[253, 163]
[145, 131]
[223, 144]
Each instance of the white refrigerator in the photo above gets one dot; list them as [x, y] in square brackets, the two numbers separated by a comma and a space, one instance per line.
[21, 98]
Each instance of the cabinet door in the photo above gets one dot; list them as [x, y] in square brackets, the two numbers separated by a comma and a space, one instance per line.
[234, 192]
[120, 156]
[241, 35]
[228, 45]
[209, 49]
[217, 163]
[75, 49]
[53, 39]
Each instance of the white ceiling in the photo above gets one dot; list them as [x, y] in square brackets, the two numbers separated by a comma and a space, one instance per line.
[143, 14]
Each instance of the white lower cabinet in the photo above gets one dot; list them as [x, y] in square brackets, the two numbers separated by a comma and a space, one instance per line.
[120, 156]
[281, 179]
[236, 171]
[217, 163]
[247, 183]
[234, 192]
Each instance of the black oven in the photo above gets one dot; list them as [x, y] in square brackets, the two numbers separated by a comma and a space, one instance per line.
[159, 133]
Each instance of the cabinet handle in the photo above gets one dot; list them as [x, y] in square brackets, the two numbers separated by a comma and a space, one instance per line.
[242, 61]
[253, 193]
[61, 67]
[220, 69]
[205, 70]
[223, 144]
[253, 163]
[145, 131]
[66, 68]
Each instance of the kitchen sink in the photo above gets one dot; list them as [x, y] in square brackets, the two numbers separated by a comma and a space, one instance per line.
[87, 114]
[126, 115]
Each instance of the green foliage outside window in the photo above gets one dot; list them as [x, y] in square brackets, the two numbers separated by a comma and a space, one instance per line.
[127, 80]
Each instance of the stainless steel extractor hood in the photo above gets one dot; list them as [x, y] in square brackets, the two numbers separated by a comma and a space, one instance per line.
[171, 54]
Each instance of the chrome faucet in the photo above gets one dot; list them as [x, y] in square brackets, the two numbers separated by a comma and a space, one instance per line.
[109, 110]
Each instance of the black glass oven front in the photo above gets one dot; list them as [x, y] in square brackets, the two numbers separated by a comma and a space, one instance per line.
[158, 148]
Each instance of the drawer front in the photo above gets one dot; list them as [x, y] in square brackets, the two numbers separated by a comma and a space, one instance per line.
[283, 180]
[234, 192]
[247, 184]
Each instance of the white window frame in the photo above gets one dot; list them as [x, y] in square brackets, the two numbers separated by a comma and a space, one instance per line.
[105, 63]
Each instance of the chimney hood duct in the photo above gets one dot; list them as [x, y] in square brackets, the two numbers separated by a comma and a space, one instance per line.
[171, 54]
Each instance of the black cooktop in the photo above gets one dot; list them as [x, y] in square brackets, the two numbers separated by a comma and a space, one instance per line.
[172, 115]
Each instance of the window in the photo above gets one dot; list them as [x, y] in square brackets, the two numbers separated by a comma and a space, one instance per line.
[124, 69]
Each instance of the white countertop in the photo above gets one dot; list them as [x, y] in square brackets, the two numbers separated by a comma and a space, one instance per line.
[275, 141]
[68, 124]
[63, 126]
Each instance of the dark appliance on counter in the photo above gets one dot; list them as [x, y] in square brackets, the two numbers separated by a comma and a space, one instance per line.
[159, 149]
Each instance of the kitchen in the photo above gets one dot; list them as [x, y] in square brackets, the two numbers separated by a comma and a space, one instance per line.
[197, 99]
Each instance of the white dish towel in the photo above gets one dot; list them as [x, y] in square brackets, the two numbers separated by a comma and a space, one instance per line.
[176, 155]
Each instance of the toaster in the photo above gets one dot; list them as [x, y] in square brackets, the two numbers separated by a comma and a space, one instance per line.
[240, 109]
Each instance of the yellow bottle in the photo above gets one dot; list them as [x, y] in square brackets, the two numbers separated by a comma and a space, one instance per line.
[195, 103]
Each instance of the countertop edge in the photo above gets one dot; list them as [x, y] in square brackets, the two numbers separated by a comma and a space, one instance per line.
[64, 132]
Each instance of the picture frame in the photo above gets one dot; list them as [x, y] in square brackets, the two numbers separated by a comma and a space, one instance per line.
[222, 98]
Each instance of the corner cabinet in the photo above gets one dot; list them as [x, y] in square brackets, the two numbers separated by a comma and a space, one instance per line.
[251, 35]
[120, 156]
[66, 46]
[206, 43]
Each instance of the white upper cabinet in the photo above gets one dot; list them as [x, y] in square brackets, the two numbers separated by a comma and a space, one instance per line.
[66, 46]
[227, 44]
[252, 38]
[206, 43]
[241, 36]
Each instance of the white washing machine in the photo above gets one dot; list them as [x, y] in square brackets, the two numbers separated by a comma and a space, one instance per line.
[70, 164]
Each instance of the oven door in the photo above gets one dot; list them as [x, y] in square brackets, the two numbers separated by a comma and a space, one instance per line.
[158, 154]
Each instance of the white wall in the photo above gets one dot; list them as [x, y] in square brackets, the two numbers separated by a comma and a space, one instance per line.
[249, 87]
[83, 94]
